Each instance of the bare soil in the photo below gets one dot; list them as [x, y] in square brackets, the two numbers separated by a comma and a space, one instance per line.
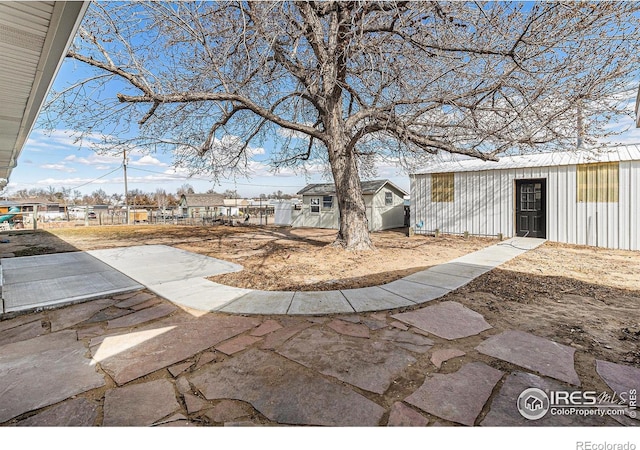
[585, 297]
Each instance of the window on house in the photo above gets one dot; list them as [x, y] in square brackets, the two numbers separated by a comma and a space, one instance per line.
[597, 182]
[388, 198]
[315, 204]
[442, 187]
[327, 202]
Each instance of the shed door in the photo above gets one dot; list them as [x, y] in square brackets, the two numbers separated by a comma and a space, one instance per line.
[531, 207]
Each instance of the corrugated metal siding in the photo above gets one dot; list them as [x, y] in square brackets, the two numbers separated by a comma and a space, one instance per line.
[485, 205]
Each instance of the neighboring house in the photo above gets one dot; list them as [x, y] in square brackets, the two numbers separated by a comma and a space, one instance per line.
[587, 197]
[235, 206]
[202, 205]
[319, 209]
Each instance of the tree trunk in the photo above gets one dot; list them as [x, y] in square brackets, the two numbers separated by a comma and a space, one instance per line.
[354, 227]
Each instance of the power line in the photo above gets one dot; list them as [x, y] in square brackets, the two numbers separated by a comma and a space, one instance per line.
[223, 182]
[96, 179]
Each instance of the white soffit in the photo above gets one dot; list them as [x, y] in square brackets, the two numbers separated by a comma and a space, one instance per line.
[34, 39]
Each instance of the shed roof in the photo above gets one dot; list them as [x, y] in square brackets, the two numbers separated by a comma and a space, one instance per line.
[200, 200]
[368, 188]
[550, 159]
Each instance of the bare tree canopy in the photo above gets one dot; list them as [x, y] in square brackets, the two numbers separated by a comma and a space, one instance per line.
[348, 83]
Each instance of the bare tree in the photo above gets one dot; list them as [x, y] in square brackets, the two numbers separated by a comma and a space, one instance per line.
[349, 84]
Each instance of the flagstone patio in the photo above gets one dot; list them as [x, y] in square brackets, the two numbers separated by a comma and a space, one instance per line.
[192, 369]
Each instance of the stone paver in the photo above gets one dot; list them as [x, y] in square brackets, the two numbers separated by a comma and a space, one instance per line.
[504, 409]
[298, 397]
[279, 337]
[375, 324]
[77, 412]
[72, 315]
[229, 410]
[206, 358]
[459, 396]
[108, 314]
[131, 355]
[139, 404]
[194, 404]
[43, 371]
[266, 327]
[148, 303]
[398, 325]
[349, 329]
[368, 364]
[534, 353]
[90, 332]
[237, 344]
[440, 356]
[407, 340]
[403, 416]
[179, 368]
[620, 378]
[142, 316]
[183, 386]
[136, 299]
[322, 302]
[448, 320]
[23, 332]
[20, 320]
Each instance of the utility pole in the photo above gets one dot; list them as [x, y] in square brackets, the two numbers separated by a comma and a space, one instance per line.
[126, 189]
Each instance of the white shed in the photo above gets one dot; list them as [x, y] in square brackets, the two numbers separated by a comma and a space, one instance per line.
[383, 199]
[587, 197]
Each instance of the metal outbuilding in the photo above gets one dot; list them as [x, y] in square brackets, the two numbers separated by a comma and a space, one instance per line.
[586, 197]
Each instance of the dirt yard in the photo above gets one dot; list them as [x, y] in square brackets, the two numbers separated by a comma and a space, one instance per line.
[580, 296]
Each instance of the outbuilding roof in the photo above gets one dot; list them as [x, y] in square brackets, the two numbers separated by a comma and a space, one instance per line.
[203, 200]
[368, 188]
[550, 159]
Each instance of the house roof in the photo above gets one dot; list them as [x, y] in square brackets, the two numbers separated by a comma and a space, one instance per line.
[368, 188]
[203, 200]
[34, 38]
[550, 159]
[236, 202]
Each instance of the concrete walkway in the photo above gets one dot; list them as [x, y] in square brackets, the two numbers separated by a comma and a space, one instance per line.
[180, 277]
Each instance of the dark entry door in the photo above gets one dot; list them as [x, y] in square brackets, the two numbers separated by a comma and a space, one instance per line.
[531, 207]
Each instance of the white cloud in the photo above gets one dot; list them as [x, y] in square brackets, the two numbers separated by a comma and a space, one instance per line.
[148, 160]
[94, 159]
[72, 182]
[58, 167]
